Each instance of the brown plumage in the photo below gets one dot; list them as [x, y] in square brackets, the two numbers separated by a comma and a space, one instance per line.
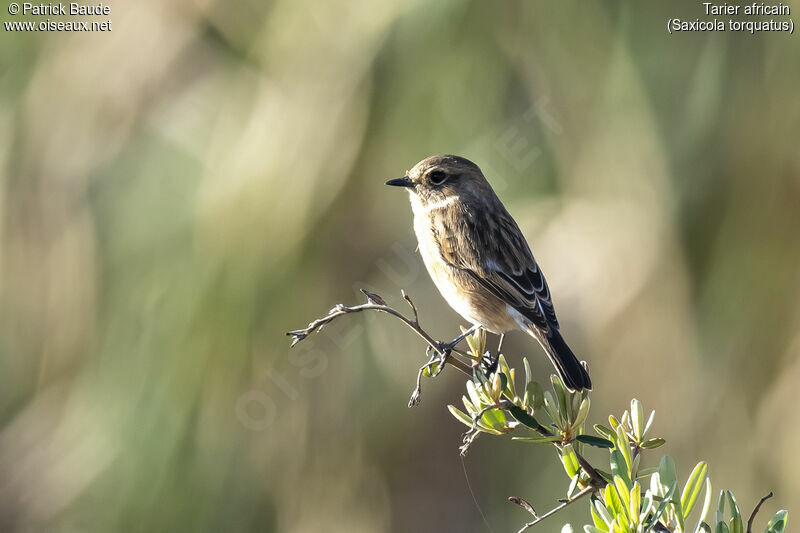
[479, 259]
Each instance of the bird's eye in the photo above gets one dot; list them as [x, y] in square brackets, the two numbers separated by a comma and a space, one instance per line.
[437, 177]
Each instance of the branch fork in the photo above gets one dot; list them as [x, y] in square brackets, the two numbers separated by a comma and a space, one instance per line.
[442, 351]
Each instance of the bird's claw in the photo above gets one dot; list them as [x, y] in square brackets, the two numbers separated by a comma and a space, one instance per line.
[489, 364]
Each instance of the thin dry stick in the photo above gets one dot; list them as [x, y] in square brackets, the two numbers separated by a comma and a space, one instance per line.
[755, 512]
[597, 479]
[581, 494]
[376, 303]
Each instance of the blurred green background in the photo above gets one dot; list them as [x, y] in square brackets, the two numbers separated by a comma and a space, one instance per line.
[178, 193]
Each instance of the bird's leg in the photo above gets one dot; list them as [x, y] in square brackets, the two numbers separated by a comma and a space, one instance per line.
[446, 347]
[488, 362]
[500, 343]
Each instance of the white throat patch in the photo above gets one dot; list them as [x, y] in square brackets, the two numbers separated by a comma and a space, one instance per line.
[419, 208]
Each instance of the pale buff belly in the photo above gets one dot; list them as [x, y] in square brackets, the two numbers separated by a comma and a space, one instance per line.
[463, 293]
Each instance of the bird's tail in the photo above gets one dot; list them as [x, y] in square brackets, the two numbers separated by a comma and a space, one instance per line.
[572, 372]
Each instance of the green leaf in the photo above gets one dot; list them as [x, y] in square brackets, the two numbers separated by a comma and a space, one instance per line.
[706, 505]
[570, 460]
[693, 487]
[722, 528]
[619, 468]
[481, 425]
[573, 484]
[623, 522]
[495, 419]
[561, 394]
[502, 364]
[778, 522]
[552, 409]
[652, 444]
[605, 431]
[476, 342]
[646, 472]
[613, 501]
[595, 441]
[468, 404]
[647, 503]
[623, 445]
[656, 487]
[663, 505]
[593, 529]
[666, 471]
[720, 514]
[528, 373]
[736, 524]
[538, 440]
[583, 412]
[649, 423]
[474, 395]
[624, 492]
[574, 401]
[460, 415]
[534, 395]
[430, 370]
[637, 419]
[523, 417]
[511, 388]
[600, 515]
[499, 384]
[635, 506]
[625, 420]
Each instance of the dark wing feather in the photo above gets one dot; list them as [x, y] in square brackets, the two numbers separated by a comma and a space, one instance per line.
[487, 244]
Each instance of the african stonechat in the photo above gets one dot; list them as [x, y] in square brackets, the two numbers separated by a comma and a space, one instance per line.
[479, 260]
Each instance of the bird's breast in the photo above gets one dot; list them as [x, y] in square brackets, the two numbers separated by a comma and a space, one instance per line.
[461, 291]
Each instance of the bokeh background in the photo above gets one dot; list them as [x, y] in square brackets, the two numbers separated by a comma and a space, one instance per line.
[179, 192]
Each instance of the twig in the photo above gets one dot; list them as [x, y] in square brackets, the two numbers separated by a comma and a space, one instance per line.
[376, 303]
[473, 432]
[755, 511]
[597, 480]
[581, 494]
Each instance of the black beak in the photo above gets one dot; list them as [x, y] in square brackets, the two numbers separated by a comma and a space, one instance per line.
[405, 181]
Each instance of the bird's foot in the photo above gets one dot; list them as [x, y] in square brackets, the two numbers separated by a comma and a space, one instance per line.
[489, 363]
[447, 347]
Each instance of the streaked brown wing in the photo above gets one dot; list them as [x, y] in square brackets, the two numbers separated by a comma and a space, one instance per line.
[493, 251]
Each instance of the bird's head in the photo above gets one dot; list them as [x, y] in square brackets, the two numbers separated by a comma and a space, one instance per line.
[438, 178]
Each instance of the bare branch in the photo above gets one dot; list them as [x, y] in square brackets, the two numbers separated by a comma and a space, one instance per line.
[755, 512]
[581, 494]
[376, 303]
[413, 307]
[597, 479]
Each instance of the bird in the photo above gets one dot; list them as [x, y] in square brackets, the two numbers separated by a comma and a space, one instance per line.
[479, 259]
